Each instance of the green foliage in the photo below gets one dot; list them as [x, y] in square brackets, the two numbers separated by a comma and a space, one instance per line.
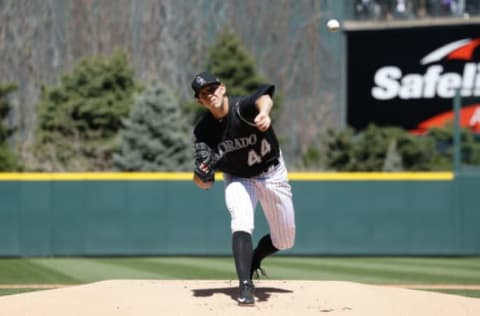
[443, 138]
[312, 158]
[393, 149]
[8, 160]
[80, 118]
[5, 89]
[416, 152]
[156, 136]
[235, 66]
[377, 149]
[339, 155]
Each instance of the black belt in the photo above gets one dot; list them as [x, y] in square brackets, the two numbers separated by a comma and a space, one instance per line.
[274, 163]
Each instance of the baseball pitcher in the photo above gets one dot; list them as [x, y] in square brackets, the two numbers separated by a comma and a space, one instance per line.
[236, 137]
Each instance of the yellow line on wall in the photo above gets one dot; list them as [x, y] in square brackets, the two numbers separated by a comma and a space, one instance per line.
[188, 176]
[373, 176]
[96, 176]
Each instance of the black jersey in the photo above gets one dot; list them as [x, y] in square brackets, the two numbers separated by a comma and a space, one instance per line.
[245, 150]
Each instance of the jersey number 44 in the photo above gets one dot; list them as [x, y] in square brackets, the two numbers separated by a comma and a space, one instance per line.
[254, 157]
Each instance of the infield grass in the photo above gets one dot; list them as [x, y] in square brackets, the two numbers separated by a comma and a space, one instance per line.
[371, 270]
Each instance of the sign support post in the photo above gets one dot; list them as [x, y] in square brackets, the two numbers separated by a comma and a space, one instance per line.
[457, 153]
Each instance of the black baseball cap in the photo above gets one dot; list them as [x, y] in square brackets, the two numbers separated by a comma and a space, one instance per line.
[203, 79]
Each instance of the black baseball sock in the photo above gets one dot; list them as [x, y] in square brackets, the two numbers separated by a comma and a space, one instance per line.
[264, 248]
[242, 252]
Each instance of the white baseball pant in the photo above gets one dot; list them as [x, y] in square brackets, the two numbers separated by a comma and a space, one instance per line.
[273, 191]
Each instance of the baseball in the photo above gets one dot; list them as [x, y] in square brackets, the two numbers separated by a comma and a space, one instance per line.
[333, 25]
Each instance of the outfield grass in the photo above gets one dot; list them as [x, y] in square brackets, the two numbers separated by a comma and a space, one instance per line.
[371, 270]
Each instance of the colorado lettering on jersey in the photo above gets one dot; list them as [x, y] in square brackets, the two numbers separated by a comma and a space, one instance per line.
[230, 145]
[244, 150]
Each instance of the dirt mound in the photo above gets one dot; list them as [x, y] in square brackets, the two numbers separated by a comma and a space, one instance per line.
[168, 297]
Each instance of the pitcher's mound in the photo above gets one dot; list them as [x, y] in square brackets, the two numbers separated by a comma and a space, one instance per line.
[160, 297]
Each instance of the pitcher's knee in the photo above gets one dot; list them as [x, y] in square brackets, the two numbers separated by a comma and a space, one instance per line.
[235, 227]
[285, 241]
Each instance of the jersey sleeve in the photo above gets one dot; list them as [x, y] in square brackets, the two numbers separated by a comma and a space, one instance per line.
[247, 105]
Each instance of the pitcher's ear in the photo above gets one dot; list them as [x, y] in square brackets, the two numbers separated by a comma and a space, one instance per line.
[223, 89]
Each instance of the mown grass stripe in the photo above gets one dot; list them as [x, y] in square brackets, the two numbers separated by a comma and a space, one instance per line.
[369, 272]
[16, 291]
[181, 267]
[33, 286]
[467, 264]
[471, 264]
[188, 176]
[27, 271]
[402, 266]
[92, 270]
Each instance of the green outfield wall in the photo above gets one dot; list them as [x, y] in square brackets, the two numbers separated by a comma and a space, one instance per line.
[166, 214]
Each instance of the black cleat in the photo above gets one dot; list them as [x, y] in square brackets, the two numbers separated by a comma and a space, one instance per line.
[256, 273]
[256, 270]
[246, 293]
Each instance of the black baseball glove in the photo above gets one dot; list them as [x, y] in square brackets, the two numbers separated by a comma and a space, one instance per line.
[205, 162]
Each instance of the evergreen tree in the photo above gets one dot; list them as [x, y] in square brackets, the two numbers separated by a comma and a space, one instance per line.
[156, 136]
[393, 149]
[339, 154]
[79, 119]
[235, 66]
[443, 139]
[379, 148]
[8, 160]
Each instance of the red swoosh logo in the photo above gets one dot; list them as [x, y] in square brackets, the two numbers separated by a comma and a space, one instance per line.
[469, 118]
[465, 52]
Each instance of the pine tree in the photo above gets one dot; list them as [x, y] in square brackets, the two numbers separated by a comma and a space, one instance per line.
[79, 120]
[8, 160]
[235, 66]
[156, 136]
[378, 148]
[443, 139]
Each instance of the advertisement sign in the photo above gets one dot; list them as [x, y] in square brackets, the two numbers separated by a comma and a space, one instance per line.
[408, 76]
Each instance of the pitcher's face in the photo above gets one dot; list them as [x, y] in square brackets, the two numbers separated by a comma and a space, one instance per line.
[212, 96]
